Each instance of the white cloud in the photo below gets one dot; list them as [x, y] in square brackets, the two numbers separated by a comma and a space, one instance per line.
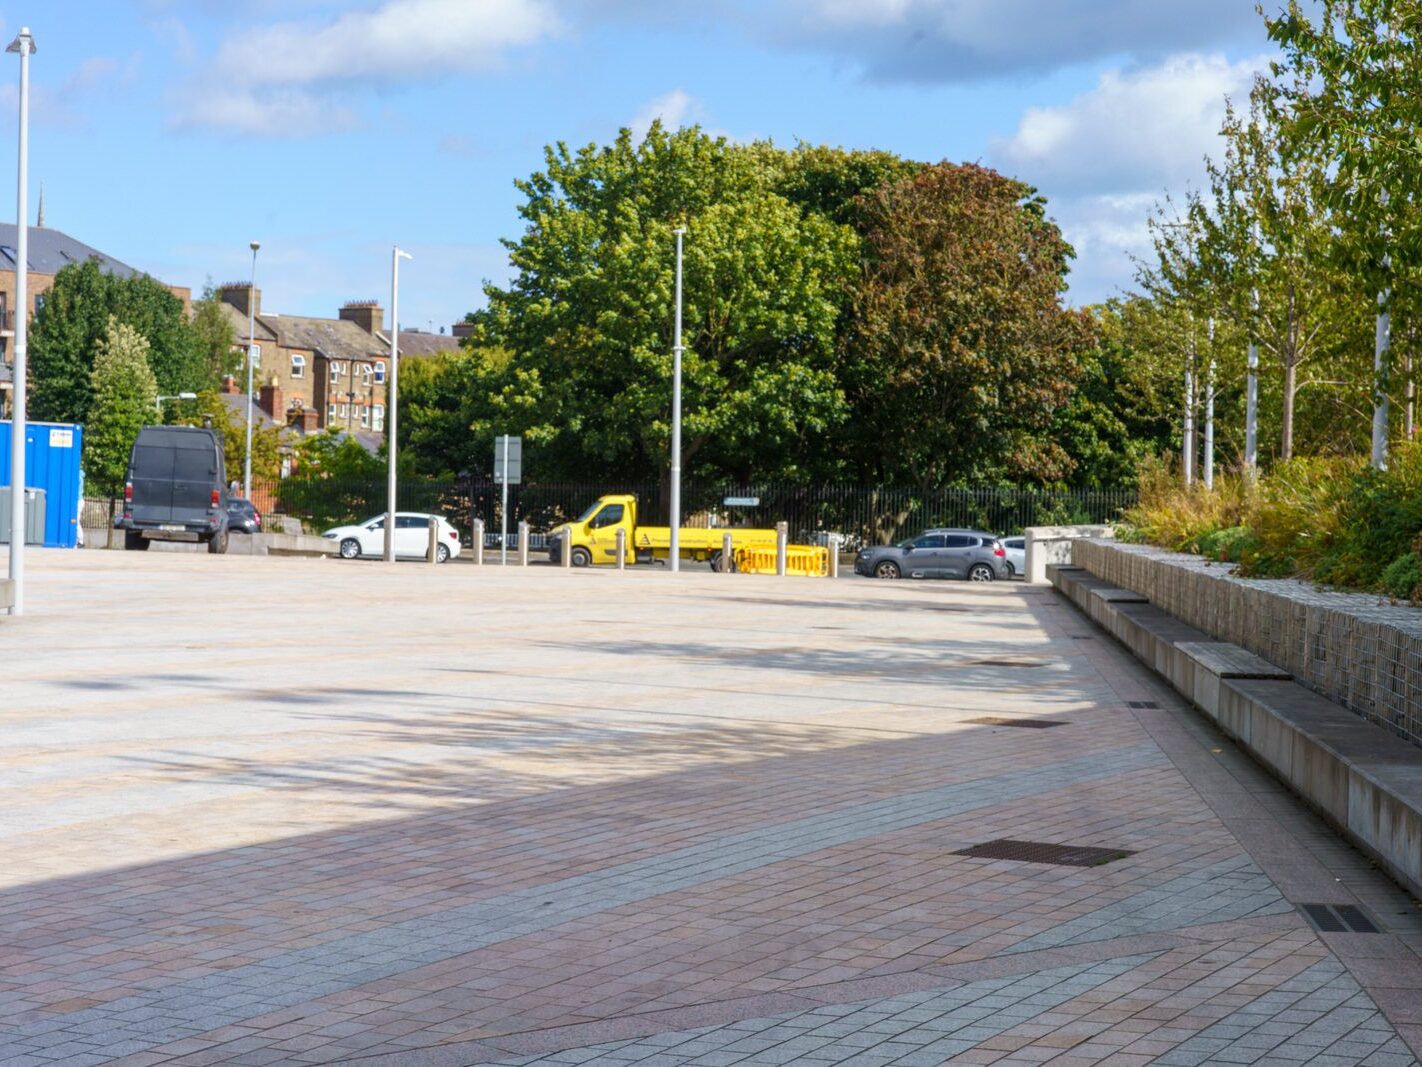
[1104, 158]
[299, 77]
[673, 110]
[1148, 126]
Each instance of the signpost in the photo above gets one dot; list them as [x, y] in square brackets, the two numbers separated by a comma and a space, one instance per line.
[508, 467]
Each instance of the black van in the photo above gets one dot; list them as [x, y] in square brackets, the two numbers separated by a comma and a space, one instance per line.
[176, 489]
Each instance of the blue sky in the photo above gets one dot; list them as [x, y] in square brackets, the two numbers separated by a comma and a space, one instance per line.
[170, 133]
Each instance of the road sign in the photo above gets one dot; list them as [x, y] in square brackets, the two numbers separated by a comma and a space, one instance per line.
[508, 459]
[742, 502]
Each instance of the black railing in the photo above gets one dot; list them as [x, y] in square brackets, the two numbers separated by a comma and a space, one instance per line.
[863, 514]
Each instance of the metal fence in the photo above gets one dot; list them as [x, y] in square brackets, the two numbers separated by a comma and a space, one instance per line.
[862, 514]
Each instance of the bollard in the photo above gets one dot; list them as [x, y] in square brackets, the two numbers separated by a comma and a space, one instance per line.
[782, 537]
[833, 569]
[478, 542]
[621, 549]
[728, 554]
[432, 549]
[565, 550]
[523, 543]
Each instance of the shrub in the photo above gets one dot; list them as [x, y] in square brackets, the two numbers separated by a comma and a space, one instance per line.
[1172, 515]
[1402, 576]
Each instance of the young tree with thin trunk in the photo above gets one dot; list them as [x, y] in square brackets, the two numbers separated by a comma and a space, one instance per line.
[124, 393]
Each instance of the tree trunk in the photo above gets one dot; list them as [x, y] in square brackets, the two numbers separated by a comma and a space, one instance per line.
[1291, 379]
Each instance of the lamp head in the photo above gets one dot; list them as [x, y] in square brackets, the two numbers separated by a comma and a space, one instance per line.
[254, 246]
[23, 43]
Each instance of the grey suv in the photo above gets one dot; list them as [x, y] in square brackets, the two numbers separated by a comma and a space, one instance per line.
[970, 554]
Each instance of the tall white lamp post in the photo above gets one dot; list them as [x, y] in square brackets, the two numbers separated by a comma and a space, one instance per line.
[396, 255]
[24, 44]
[251, 360]
[676, 418]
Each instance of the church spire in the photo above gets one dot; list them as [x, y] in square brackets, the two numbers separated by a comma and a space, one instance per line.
[39, 222]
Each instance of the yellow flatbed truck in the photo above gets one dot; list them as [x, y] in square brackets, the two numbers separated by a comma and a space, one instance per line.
[594, 537]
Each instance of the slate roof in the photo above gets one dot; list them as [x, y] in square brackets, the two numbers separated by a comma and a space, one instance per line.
[417, 343]
[50, 251]
[260, 419]
[239, 325]
[335, 338]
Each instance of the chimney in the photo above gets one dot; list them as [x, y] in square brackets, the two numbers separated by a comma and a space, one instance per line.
[462, 330]
[229, 385]
[236, 294]
[307, 420]
[367, 314]
[272, 402]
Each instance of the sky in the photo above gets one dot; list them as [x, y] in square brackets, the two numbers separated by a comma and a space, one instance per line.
[172, 133]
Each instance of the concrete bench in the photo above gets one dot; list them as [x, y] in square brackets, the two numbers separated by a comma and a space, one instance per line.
[1366, 780]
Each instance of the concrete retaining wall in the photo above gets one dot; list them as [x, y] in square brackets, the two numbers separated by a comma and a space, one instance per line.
[7, 593]
[1046, 545]
[1366, 780]
[1355, 649]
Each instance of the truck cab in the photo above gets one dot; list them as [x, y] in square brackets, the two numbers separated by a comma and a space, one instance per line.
[594, 532]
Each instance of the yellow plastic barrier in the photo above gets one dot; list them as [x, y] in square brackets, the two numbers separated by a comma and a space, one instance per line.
[805, 561]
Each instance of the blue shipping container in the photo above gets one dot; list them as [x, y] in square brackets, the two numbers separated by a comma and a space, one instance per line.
[52, 454]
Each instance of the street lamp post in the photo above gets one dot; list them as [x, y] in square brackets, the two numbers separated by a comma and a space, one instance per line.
[251, 359]
[390, 399]
[24, 44]
[158, 400]
[676, 418]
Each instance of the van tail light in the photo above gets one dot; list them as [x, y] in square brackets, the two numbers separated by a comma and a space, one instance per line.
[214, 498]
[998, 550]
[128, 492]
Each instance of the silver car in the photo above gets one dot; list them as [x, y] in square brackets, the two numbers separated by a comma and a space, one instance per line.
[1016, 549]
[970, 554]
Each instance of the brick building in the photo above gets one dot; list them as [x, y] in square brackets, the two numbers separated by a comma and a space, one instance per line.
[324, 373]
[50, 251]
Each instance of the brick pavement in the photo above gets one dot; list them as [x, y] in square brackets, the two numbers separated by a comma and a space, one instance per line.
[454, 817]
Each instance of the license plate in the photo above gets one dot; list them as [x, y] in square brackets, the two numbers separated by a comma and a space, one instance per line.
[175, 527]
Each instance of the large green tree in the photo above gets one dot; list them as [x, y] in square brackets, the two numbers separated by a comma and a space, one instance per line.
[74, 318]
[960, 349]
[124, 392]
[587, 320]
[214, 337]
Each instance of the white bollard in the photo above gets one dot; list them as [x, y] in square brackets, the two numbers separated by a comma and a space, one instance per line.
[478, 541]
[523, 543]
[621, 549]
[565, 550]
[432, 549]
[782, 539]
[728, 554]
[833, 571]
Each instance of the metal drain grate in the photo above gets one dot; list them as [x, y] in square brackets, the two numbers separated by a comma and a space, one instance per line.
[1026, 724]
[1082, 637]
[1141, 705]
[1003, 663]
[1338, 919]
[1043, 852]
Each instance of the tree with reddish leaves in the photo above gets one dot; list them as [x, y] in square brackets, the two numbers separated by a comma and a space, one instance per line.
[960, 351]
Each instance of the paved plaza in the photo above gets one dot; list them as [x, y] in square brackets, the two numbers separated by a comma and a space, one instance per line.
[304, 811]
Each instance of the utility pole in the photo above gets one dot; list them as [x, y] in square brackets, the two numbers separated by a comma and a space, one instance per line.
[24, 44]
[390, 400]
[676, 418]
[251, 361]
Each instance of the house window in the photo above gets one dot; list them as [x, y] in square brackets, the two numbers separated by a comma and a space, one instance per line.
[366, 370]
[343, 411]
[331, 413]
[256, 356]
[298, 365]
[335, 371]
[364, 415]
[380, 372]
[377, 417]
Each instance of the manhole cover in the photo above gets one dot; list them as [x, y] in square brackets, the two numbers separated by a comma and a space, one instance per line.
[1026, 724]
[1044, 852]
[1338, 919]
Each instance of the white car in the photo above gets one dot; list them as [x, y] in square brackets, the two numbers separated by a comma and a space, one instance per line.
[412, 537]
[1016, 548]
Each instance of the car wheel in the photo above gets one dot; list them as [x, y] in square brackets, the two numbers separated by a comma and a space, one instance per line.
[980, 572]
[217, 544]
[887, 570]
[350, 548]
[581, 557]
[442, 554]
[134, 541]
[1011, 570]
